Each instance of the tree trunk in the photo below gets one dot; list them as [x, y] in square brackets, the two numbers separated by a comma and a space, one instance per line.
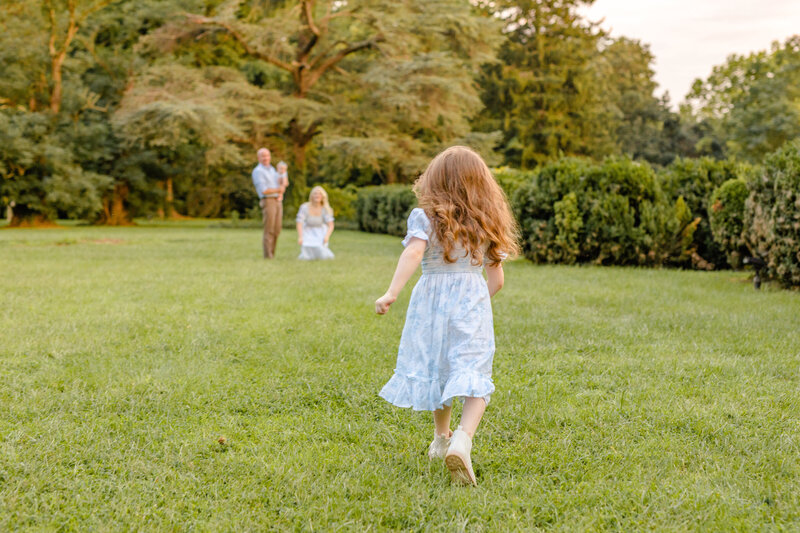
[297, 175]
[169, 200]
[168, 210]
[391, 175]
[36, 221]
[299, 155]
[55, 97]
[22, 217]
[114, 212]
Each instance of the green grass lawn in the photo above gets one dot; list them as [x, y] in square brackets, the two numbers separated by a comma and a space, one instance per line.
[626, 399]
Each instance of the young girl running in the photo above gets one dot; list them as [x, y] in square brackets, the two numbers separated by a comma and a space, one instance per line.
[463, 224]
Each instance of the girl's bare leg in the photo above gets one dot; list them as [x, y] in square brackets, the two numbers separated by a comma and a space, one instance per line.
[441, 420]
[472, 414]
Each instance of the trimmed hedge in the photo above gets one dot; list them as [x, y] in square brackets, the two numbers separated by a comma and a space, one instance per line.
[620, 212]
[726, 216]
[772, 215]
[610, 213]
[343, 202]
[511, 179]
[695, 180]
[384, 208]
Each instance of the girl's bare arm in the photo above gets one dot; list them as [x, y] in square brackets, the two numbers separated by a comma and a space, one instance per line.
[406, 266]
[495, 278]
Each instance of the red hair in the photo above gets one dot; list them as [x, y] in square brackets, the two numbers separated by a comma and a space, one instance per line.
[467, 207]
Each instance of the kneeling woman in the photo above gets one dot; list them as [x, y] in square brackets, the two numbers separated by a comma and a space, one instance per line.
[314, 226]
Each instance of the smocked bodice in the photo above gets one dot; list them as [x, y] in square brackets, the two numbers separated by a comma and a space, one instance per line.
[433, 261]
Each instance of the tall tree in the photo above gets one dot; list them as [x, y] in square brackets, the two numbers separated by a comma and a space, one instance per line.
[37, 43]
[107, 45]
[630, 88]
[38, 36]
[186, 121]
[545, 93]
[382, 81]
[752, 102]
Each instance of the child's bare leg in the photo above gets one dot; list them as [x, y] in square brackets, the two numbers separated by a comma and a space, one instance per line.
[441, 420]
[471, 415]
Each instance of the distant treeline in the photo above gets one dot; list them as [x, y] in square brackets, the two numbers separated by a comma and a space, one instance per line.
[115, 109]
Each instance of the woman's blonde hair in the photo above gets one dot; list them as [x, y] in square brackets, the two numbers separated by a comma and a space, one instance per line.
[467, 207]
[325, 205]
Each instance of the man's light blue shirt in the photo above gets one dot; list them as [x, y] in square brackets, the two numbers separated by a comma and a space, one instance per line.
[266, 178]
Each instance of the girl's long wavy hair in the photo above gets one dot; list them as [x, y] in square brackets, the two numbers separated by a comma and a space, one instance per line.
[466, 207]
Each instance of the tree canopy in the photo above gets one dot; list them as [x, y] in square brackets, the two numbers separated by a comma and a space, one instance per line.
[752, 102]
[111, 109]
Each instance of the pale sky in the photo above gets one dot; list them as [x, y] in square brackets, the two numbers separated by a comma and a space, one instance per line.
[689, 37]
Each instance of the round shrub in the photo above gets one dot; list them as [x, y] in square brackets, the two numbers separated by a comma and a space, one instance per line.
[384, 208]
[611, 213]
[772, 214]
[726, 215]
[510, 179]
[569, 223]
[695, 180]
[534, 206]
[343, 202]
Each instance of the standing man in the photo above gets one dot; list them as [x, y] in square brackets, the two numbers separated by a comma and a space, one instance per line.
[270, 188]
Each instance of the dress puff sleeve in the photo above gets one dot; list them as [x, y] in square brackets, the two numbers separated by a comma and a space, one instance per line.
[302, 213]
[418, 226]
[503, 257]
[327, 218]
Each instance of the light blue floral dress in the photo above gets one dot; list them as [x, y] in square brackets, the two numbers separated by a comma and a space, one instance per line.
[447, 345]
[314, 230]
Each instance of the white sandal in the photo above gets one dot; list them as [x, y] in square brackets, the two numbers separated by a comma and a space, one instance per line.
[438, 447]
[458, 459]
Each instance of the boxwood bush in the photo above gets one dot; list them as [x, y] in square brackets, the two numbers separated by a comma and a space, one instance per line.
[343, 202]
[384, 208]
[611, 213]
[695, 180]
[772, 214]
[726, 216]
[510, 179]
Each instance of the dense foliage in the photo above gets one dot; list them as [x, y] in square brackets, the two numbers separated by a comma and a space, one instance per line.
[510, 179]
[609, 213]
[157, 107]
[695, 180]
[726, 217]
[772, 215]
[562, 87]
[751, 103]
[384, 209]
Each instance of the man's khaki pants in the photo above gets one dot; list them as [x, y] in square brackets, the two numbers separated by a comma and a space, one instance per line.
[272, 212]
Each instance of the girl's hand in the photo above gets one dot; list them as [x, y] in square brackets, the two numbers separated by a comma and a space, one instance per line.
[382, 304]
[300, 240]
[325, 240]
